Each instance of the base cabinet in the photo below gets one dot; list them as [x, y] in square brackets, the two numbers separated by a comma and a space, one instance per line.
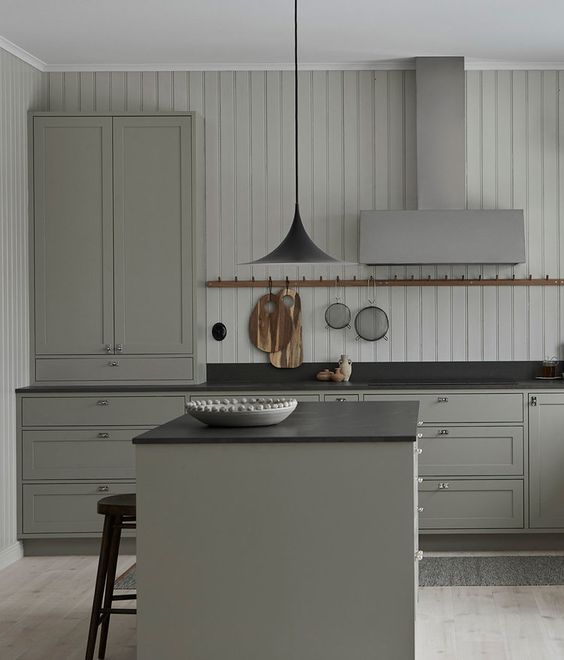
[74, 449]
[501, 473]
[546, 457]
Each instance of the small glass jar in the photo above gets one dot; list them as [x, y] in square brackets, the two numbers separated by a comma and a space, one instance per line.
[549, 367]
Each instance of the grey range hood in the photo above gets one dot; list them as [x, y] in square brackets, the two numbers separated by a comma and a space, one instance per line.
[441, 230]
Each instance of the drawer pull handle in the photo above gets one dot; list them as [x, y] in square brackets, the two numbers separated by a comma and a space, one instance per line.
[419, 555]
[103, 435]
[340, 398]
[533, 401]
[102, 489]
[419, 480]
[443, 485]
[419, 450]
[442, 399]
[443, 432]
[420, 509]
[103, 402]
[113, 363]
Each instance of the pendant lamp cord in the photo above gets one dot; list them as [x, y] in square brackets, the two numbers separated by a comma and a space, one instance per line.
[296, 91]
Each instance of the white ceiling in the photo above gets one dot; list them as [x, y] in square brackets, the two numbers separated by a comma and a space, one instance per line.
[203, 34]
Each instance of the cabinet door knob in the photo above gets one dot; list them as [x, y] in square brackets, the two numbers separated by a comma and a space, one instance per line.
[442, 399]
[113, 363]
[420, 509]
[108, 348]
[443, 432]
[420, 435]
[419, 480]
[103, 402]
[443, 485]
[103, 435]
[119, 348]
[533, 401]
[102, 489]
[419, 555]
[419, 450]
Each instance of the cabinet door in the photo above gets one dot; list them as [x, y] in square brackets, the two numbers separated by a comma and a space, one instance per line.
[152, 240]
[546, 460]
[72, 173]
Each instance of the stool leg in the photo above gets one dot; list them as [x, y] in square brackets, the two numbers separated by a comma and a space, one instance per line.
[99, 588]
[110, 580]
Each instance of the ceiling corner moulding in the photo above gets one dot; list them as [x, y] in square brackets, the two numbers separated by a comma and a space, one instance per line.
[375, 65]
[22, 54]
[501, 65]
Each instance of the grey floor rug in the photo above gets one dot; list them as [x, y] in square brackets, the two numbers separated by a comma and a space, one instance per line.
[127, 579]
[505, 570]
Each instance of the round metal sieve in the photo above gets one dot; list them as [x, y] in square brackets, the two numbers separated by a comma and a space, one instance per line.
[371, 323]
[338, 316]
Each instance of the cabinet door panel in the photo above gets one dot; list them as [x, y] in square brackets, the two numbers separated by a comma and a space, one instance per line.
[471, 450]
[73, 235]
[471, 504]
[66, 508]
[546, 460]
[152, 219]
[79, 454]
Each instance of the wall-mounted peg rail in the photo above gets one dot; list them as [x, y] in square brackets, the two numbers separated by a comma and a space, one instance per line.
[358, 282]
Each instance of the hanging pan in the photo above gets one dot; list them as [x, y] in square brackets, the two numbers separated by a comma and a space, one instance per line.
[372, 322]
[338, 315]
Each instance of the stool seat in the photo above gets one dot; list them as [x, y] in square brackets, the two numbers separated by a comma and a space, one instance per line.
[117, 505]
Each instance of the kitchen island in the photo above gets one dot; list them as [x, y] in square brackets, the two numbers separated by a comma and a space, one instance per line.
[290, 542]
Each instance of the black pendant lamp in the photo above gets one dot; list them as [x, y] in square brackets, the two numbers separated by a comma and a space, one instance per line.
[297, 247]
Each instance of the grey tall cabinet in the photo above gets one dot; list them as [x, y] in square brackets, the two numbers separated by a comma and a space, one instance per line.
[546, 458]
[117, 249]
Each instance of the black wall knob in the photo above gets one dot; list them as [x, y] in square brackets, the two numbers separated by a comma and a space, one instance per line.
[219, 331]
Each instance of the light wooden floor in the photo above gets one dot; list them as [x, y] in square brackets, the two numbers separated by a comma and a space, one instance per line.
[45, 610]
[45, 607]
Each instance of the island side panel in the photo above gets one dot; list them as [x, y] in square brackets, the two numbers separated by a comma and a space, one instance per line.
[276, 551]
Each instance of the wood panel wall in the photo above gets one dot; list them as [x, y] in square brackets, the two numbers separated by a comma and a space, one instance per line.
[21, 88]
[357, 151]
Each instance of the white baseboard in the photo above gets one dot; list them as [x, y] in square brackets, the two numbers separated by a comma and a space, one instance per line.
[10, 554]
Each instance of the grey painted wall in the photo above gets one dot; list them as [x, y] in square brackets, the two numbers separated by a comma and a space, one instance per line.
[21, 88]
[358, 152]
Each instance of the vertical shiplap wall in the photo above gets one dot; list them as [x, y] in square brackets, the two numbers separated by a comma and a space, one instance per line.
[357, 151]
[21, 88]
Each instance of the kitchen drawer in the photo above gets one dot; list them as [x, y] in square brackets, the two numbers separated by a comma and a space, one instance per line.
[340, 397]
[101, 410]
[78, 454]
[112, 368]
[220, 395]
[66, 508]
[446, 407]
[466, 504]
[471, 450]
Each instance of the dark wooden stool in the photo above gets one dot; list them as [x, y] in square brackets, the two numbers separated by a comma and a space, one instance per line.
[119, 513]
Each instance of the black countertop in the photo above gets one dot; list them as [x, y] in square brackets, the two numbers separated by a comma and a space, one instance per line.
[305, 386]
[374, 421]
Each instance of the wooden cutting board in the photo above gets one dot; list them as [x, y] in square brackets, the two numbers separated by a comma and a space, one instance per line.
[270, 325]
[292, 355]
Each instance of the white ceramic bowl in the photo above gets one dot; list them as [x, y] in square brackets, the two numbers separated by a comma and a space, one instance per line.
[246, 411]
